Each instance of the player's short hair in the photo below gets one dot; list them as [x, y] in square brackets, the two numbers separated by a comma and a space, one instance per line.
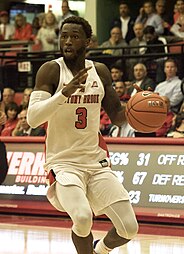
[80, 21]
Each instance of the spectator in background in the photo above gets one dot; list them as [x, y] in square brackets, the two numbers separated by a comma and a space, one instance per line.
[178, 27]
[23, 29]
[46, 36]
[116, 73]
[140, 79]
[105, 123]
[148, 17]
[11, 111]
[167, 19]
[152, 38]
[35, 26]
[136, 49]
[178, 129]
[121, 91]
[171, 87]
[125, 22]
[115, 41]
[155, 46]
[23, 129]
[179, 6]
[6, 29]
[162, 132]
[26, 96]
[93, 45]
[66, 13]
[8, 96]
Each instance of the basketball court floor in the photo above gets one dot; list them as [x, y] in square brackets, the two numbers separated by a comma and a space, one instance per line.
[20, 235]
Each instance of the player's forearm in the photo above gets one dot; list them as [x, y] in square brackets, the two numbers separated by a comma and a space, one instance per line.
[42, 106]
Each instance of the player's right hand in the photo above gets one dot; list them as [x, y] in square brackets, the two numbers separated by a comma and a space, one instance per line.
[76, 83]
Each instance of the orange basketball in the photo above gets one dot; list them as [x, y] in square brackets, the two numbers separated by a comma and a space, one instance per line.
[146, 111]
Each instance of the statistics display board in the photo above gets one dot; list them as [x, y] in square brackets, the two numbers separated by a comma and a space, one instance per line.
[152, 172]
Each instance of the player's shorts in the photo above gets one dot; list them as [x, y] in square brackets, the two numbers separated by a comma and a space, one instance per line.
[101, 187]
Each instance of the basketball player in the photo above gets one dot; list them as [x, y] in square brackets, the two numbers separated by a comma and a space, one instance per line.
[68, 94]
[3, 162]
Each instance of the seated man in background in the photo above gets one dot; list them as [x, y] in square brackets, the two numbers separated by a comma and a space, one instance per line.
[8, 96]
[121, 91]
[92, 47]
[116, 73]
[155, 63]
[26, 96]
[115, 41]
[141, 79]
[136, 48]
[171, 87]
[23, 129]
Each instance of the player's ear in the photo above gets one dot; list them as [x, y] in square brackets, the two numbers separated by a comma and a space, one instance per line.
[87, 42]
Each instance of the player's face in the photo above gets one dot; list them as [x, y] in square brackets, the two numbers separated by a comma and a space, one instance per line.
[73, 41]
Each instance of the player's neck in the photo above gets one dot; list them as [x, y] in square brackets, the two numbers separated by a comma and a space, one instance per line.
[75, 66]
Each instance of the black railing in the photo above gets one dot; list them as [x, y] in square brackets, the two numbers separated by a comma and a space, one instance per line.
[18, 66]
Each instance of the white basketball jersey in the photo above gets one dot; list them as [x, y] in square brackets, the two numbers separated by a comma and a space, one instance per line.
[73, 131]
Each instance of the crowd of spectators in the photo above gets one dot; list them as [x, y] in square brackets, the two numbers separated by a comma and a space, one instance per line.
[13, 112]
[148, 33]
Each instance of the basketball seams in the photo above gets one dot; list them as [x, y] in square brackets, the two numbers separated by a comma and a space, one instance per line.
[150, 126]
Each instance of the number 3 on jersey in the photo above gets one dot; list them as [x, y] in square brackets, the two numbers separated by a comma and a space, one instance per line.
[81, 122]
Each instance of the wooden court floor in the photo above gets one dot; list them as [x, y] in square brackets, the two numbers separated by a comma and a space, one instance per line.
[40, 239]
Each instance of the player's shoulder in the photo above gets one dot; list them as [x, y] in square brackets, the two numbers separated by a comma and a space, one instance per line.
[49, 69]
[51, 65]
[48, 75]
[100, 66]
[102, 70]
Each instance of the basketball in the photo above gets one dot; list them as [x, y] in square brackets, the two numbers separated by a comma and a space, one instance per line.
[146, 111]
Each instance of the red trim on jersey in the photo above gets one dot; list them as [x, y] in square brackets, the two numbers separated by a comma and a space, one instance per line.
[102, 144]
[51, 177]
